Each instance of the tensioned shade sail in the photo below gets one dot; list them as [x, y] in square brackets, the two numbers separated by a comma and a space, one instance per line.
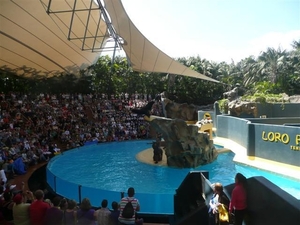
[48, 37]
[33, 42]
[143, 55]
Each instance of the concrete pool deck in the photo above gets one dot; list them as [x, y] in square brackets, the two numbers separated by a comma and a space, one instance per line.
[268, 165]
[146, 156]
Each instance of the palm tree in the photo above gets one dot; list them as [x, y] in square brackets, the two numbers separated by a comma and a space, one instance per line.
[270, 64]
[251, 75]
[296, 45]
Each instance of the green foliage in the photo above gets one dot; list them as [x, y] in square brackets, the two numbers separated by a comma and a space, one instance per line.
[260, 97]
[265, 87]
[262, 79]
[223, 105]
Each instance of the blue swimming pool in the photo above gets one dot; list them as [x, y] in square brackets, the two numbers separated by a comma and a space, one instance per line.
[105, 170]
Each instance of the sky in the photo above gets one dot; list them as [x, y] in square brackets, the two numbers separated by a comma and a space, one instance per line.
[217, 30]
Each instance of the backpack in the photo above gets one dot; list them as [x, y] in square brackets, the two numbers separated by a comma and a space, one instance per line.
[128, 210]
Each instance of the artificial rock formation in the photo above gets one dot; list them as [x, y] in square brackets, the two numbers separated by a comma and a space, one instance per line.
[185, 146]
[181, 111]
[184, 111]
[238, 107]
[291, 99]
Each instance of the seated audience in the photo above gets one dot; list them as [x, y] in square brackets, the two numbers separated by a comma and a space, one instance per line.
[3, 178]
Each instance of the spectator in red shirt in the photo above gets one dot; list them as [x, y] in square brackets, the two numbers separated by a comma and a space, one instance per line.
[38, 208]
[238, 203]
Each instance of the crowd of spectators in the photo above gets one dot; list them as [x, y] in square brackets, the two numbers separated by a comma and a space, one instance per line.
[35, 128]
[24, 207]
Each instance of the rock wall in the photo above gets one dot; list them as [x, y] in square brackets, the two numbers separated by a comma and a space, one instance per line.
[184, 111]
[238, 107]
[185, 146]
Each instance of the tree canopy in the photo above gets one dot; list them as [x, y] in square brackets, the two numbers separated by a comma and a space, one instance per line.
[273, 71]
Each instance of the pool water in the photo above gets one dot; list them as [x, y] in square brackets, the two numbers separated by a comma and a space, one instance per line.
[113, 166]
[103, 171]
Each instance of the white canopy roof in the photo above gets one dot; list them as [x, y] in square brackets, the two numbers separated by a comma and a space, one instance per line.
[47, 44]
[144, 56]
[49, 37]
